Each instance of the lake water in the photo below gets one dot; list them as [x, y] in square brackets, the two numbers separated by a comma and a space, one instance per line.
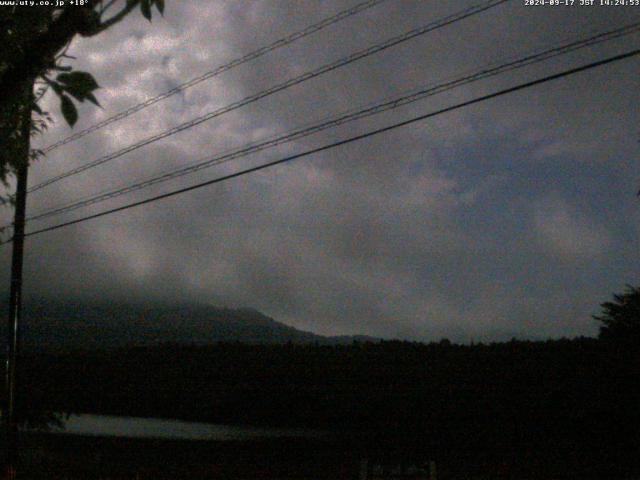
[106, 425]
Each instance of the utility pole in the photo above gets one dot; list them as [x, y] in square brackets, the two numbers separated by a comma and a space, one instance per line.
[15, 294]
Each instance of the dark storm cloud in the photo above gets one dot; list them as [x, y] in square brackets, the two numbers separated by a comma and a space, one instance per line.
[513, 217]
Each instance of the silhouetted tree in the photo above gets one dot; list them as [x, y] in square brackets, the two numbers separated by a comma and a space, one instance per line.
[621, 318]
[33, 43]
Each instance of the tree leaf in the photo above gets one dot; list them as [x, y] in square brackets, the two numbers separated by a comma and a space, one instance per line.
[36, 108]
[145, 8]
[76, 95]
[160, 6]
[93, 99]
[56, 88]
[79, 85]
[68, 110]
[78, 82]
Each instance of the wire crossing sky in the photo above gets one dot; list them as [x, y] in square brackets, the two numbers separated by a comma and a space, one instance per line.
[523, 86]
[311, 29]
[349, 117]
[372, 50]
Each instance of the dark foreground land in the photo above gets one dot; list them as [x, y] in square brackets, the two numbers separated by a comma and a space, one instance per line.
[78, 457]
[69, 457]
[520, 410]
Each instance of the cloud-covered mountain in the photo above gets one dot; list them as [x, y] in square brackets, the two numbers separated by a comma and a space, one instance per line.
[63, 325]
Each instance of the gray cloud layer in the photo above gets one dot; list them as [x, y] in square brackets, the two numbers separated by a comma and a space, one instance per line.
[513, 217]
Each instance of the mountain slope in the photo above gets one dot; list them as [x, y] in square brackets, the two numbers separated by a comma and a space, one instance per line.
[57, 325]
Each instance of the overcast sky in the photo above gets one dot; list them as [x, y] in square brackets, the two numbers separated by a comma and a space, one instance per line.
[514, 217]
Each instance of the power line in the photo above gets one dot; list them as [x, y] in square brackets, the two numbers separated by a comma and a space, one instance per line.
[473, 10]
[371, 133]
[291, 82]
[311, 29]
[353, 115]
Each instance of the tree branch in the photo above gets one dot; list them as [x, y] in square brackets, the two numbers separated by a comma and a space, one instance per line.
[118, 16]
[38, 54]
[104, 9]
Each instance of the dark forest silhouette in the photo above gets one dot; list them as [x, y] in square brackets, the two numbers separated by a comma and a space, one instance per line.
[565, 404]
[620, 318]
[557, 407]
